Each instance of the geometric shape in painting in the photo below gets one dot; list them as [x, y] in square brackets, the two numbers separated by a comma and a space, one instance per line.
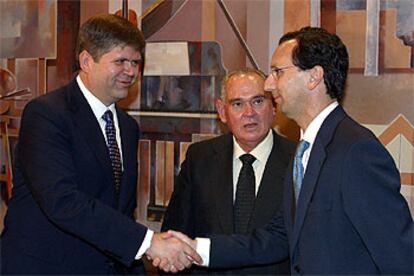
[28, 29]
[166, 59]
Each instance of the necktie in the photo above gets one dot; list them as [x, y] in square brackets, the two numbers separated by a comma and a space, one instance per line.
[245, 195]
[114, 154]
[298, 167]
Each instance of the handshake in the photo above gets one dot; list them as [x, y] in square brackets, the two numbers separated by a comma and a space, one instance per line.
[173, 251]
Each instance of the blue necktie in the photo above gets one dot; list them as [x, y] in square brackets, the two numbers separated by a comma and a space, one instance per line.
[245, 195]
[298, 167]
[114, 154]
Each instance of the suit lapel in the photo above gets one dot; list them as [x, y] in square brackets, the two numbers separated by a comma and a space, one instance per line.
[315, 164]
[89, 128]
[268, 194]
[128, 139]
[222, 183]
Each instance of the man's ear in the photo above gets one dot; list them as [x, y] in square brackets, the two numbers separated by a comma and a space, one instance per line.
[85, 61]
[221, 110]
[315, 77]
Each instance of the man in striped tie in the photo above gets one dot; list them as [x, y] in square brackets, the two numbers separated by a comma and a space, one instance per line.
[75, 171]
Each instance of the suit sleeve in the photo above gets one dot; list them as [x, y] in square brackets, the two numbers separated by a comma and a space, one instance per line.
[179, 215]
[373, 203]
[264, 246]
[45, 159]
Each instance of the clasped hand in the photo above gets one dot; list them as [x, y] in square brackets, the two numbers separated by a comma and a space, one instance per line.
[172, 251]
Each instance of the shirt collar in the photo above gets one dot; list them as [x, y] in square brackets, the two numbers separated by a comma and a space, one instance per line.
[310, 134]
[261, 152]
[97, 106]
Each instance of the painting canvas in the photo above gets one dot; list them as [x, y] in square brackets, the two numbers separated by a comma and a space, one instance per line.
[28, 29]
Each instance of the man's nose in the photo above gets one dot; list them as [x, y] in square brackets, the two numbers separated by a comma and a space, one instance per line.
[270, 83]
[248, 109]
[130, 69]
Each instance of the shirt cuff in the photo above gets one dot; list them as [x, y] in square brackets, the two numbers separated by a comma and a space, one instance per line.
[203, 249]
[145, 244]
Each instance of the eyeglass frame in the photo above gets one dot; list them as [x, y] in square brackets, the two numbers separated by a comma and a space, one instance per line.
[274, 71]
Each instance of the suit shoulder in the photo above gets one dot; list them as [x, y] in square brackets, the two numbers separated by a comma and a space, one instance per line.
[284, 144]
[351, 130]
[215, 144]
[52, 102]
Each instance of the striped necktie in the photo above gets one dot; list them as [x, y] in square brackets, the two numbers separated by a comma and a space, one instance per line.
[114, 154]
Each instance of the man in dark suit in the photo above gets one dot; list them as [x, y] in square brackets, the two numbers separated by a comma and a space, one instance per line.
[207, 186]
[75, 169]
[343, 212]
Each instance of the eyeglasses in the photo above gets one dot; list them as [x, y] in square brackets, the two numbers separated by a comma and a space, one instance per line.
[276, 71]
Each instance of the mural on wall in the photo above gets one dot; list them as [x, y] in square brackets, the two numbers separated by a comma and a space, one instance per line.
[28, 29]
[382, 103]
[181, 79]
[175, 108]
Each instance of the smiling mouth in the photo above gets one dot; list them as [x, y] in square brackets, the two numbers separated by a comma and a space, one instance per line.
[125, 82]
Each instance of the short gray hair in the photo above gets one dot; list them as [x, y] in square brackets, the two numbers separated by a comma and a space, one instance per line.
[246, 71]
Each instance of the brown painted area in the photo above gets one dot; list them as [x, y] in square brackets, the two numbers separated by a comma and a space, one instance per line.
[89, 8]
[143, 189]
[407, 178]
[41, 75]
[297, 14]
[399, 126]
[160, 173]
[185, 25]
[328, 15]
[169, 172]
[233, 54]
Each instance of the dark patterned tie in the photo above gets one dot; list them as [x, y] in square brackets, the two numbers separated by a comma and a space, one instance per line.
[245, 195]
[114, 154]
[298, 168]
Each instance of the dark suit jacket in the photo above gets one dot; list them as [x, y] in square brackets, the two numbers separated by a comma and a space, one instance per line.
[350, 217]
[202, 201]
[63, 217]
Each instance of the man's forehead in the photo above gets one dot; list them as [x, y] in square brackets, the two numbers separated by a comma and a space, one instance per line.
[244, 80]
[283, 51]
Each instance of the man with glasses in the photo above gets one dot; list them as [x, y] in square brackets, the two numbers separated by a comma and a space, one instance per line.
[342, 212]
[208, 197]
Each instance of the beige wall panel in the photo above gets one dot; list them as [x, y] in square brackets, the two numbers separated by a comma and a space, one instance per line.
[379, 100]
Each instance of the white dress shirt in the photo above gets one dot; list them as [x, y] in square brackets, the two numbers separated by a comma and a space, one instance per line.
[309, 135]
[261, 152]
[99, 109]
[203, 244]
